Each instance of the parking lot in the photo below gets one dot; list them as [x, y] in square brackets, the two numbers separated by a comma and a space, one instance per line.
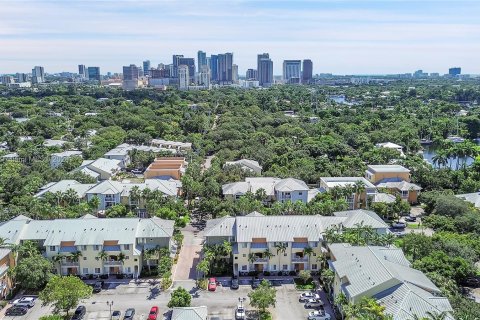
[143, 295]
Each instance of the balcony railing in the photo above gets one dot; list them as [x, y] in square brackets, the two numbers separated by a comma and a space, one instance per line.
[299, 259]
[69, 264]
[261, 260]
[112, 263]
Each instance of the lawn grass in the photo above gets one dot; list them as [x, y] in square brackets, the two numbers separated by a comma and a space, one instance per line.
[413, 225]
[300, 285]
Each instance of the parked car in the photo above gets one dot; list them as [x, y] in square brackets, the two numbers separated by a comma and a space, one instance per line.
[116, 315]
[240, 313]
[313, 303]
[410, 218]
[137, 171]
[129, 314]
[79, 313]
[153, 313]
[399, 225]
[318, 315]
[308, 295]
[97, 287]
[16, 311]
[212, 284]
[26, 302]
[235, 283]
[473, 282]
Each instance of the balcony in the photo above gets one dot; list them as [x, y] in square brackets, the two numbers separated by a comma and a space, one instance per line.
[261, 260]
[69, 264]
[259, 245]
[112, 263]
[299, 259]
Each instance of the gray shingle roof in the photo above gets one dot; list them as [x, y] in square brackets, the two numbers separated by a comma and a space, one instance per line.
[86, 231]
[190, 313]
[385, 274]
[287, 227]
[473, 198]
[402, 186]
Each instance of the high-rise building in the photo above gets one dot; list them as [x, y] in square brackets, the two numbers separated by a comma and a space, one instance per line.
[265, 70]
[38, 75]
[251, 74]
[21, 77]
[214, 67]
[190, 62]
[159, 73]
[130, 77]
[204, 77]
[456, 71]
[307, 71]
[146, 67]
[94, 74]
[201, 59]
[175, 64]
[82, 71]
[235, 73]
[7, 79]
[225, 68]
[292, 70]
[183, 77]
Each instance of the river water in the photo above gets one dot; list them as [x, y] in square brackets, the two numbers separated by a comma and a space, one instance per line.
[430, 151]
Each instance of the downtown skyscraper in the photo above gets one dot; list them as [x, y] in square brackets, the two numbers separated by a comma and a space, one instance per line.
[225, 68]
[201, 60]
[264, 70]
[292, 70]
[38, 75]
[307, 71]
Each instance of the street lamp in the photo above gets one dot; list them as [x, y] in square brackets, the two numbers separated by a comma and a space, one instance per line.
[110, 304]
[241, 300]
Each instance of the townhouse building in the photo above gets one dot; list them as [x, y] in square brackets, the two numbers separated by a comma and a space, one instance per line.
[276, 189]
[111, 192]
[394, 178]
[279, 243]
[7, 262]
[166, 167]
[91, 245]
[246, 164]
[384, 274]
[356, 198]
[100, 169]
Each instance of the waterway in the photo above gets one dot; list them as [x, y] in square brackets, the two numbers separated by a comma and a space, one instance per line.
[430, 151]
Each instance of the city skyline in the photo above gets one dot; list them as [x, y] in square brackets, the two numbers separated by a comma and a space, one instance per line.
[340, 37]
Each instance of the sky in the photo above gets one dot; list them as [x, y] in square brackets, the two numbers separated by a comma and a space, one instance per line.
[339, 36]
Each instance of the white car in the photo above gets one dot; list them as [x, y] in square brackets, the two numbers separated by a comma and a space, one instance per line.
[313, 303]
[308, 295]
[318, 315]
[240, 313]
[24, 302]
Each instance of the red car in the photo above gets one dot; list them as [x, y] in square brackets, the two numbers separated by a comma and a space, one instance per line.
[153, 313]
[212, 284]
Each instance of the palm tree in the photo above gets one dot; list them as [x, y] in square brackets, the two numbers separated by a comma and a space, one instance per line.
[359, 188]
[148, 254]
[436, 315]
[75, 256]
[102, 255]
[440, 159]
[268, 255]
[57, 260]
[70, 196]
[121, 258]
[135, 195]
[28, 249]
[388, 239]
[308, 251]
[281, 248]
[94, 203]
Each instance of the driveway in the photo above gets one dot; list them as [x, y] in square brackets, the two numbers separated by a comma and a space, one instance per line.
[189, 255]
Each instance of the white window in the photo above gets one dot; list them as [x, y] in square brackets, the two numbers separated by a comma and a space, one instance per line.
[84, 258]
[127, 257]
[285, 267]
[97, 270]
[300, 193]
[244, 267]
[314, 266]
[85, 270]
[244, 245]
[129, 270]
[53, 248]
[274, 267]
[126, 246]
[284, 254]
[96, 247]
[84, 248]
[404, 194]
[244, 255]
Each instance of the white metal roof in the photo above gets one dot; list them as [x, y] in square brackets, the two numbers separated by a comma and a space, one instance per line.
[387, 168]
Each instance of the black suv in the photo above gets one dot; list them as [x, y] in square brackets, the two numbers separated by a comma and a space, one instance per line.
[79, 313]
[129, 314]
[16, 311]
[97, 287]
